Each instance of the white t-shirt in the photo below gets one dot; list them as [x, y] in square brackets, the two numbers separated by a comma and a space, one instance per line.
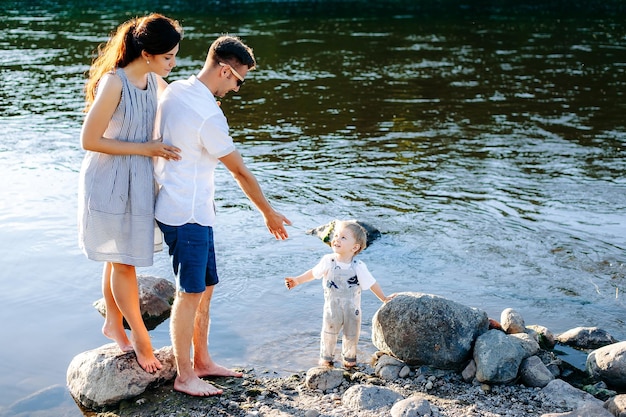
[189, 118]
[321, 270]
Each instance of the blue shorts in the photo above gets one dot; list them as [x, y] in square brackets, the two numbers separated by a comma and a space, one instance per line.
[193, 256]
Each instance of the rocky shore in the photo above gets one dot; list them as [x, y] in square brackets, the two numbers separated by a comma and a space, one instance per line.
[432, 392]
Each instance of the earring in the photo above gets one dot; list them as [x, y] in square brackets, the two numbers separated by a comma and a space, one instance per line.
[148, 62]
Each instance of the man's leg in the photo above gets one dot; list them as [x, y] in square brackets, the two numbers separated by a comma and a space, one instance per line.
[203, 364]
[182, 332]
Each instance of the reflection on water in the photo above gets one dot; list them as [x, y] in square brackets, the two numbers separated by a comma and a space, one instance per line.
[486, 143]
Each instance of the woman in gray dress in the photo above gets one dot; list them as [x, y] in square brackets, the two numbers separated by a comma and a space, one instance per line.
[117, 189]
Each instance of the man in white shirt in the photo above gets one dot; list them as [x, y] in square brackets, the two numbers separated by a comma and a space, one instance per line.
[190, 118]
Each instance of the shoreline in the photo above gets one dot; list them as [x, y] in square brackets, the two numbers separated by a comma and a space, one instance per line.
[266, 393]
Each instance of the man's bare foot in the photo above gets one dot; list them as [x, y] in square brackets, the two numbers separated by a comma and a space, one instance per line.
[215, 370]
[145, 356]
[349, 364]
[329, 364]
[118, 336]
[196, 387]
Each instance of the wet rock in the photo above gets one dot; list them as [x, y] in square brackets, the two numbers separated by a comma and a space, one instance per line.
[545, 337]
[425, 329]
[599, 390]
[105, 376]
[156, 296]
[586, 338]
[326, 231]
[608, 364]
[48, 401]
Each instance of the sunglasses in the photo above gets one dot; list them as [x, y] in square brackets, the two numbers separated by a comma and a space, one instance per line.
[240, 79]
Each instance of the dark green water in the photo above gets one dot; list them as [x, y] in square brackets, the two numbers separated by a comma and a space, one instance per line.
[486, 140]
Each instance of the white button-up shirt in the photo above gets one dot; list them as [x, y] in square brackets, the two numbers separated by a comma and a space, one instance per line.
[189, 118]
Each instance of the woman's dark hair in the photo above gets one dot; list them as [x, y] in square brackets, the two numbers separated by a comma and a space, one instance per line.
[155, 34]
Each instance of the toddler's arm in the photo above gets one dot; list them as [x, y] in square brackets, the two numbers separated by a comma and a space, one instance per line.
[291, 282]
[378, 291]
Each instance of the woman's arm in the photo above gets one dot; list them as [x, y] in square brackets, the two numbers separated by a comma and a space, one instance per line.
[99, 117]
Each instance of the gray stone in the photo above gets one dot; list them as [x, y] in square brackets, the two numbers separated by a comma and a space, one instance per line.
[512, 321]
[424, 329]
[105, 376]
[362, 397]
[586, 338]
[498, 357]
[323, 378]
[389, 372]
[608, 364]
[156, 296]
[527, 343]
[414, 406]
[586, 410]
[564, 395]
[534, 373]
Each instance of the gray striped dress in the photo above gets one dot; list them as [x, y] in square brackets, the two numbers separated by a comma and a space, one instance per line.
[116, 193]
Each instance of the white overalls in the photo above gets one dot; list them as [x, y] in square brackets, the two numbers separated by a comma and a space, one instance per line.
[342, 311]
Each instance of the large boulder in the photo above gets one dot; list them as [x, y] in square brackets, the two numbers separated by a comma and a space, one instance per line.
[101, 378]
[424, 329]
[609, 365]
[326, 231]
[156, 296]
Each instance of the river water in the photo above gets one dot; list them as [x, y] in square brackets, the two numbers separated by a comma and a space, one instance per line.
[486, 143]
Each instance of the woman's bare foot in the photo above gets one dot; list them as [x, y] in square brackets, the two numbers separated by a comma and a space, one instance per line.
[215, 370]
[329, 364]
[196, 387]
[145, 355]
[118, 336]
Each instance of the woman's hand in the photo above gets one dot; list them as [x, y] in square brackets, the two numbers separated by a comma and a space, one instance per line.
[161, 150]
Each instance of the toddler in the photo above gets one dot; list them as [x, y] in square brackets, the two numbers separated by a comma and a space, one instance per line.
[343, 280]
